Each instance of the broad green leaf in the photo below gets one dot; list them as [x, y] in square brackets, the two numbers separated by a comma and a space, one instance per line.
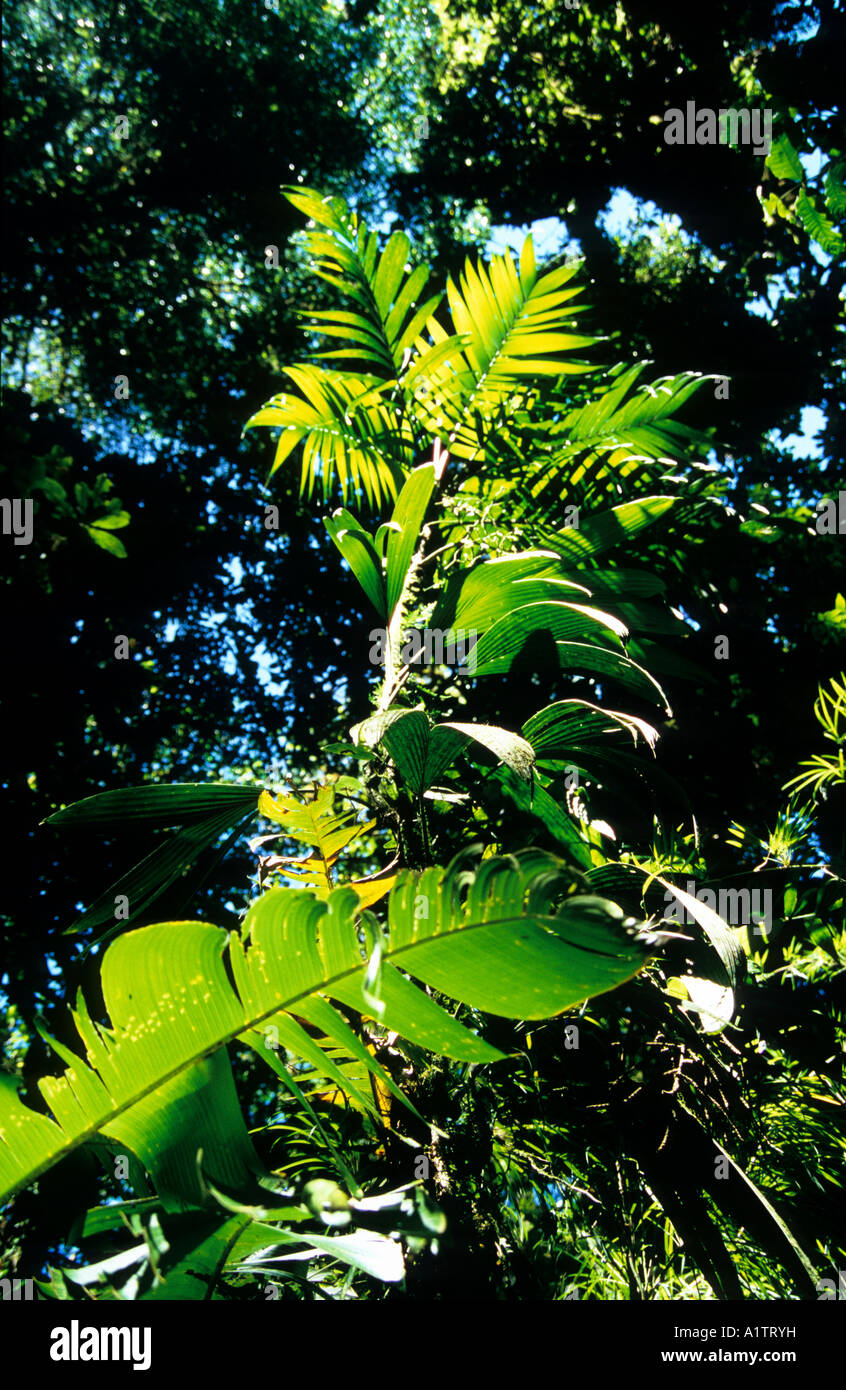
[114, 521]
[520, 956]
[197, 1108]
[656, 657]
[107, 541]
[259, 1250]
[178, 804]
[630, 584]
[422, 753]
[374, 1254]
[598, 533]
[784, 161]
[408, 515]
[713, 1002]
[114, 1217]
[536, 801]
[564, 622]
[509, 748]
[476, 598]
[586, 657]
[357, 548]
[568, 725]
[407, 740]
[721, 937]
[504, 939]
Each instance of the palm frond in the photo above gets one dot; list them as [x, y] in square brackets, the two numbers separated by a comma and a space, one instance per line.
[508, 336]
[506, 939]
[346, 431]
[390, 306]
[614, 437]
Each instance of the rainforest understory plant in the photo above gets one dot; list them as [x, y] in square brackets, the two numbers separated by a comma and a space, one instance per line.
[475, 1035]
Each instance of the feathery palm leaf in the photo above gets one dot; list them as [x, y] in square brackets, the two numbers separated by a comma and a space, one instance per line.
[390, 308]
[508, 335]
[346, 431]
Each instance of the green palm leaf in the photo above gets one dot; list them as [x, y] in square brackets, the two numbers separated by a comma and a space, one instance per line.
[205, 810]
[613, 437]
[361, 554]
[186, 858]
[404, 533]
[391, 308]
[535, 801]
[381, 562]
[181, 803]
[475, 599]
[509, 324]
[600, 531]
[506, 939]
[422, 752]
[346, 431]
[564, 622]
[569, 725]
[516, 638]
[518, 604]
